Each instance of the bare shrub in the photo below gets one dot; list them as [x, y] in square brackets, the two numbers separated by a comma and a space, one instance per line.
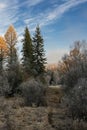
[73, 75]
[33, 92]
[73, 66]
[77, 100]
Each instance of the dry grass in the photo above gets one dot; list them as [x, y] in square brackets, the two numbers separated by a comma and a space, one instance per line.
[54, 96]
[15, 116]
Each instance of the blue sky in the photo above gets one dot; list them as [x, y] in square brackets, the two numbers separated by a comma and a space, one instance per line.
[62, 22]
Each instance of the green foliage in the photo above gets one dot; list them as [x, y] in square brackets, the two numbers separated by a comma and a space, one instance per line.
[14, 79]
[1, 61]
[27, 52]
[33, 58]
[39, 59]
[4, 85]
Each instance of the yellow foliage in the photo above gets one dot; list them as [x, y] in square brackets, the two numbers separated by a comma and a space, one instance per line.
[3, 46]
[11, 36]
[70, 61]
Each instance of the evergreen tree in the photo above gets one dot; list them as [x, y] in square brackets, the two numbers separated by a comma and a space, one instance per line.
[39, 59]
[27, 52]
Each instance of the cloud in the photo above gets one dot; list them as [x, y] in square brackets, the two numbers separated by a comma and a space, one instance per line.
[30, 3]
[48, 16]
[34, 2]
[11, 12]
[8, 14]
[2, 6]
[63, 8]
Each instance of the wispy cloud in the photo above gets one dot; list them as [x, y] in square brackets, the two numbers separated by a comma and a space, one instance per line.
[29, 3]
[49, 16]
[10, 12]
[20, 13]
[63, 8]
[7, 13]
[33, 2]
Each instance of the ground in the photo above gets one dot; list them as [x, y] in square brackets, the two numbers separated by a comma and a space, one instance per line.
[14, 115]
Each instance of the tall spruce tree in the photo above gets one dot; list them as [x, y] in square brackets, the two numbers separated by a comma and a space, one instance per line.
[38, 53]
[27, 52]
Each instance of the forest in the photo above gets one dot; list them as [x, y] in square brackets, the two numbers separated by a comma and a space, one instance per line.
[30, 79]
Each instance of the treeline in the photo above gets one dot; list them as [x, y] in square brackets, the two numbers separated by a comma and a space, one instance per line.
[29, 77]
[33, 54]
[72, 70]
[32, 64]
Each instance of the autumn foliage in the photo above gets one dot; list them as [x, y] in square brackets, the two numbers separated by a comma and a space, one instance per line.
[3, 46]
[3, 52]
[11, 36]
[70, 60]
[11, 40]
[73, 66]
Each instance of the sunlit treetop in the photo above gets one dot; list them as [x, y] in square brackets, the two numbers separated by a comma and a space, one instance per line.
[11, 36]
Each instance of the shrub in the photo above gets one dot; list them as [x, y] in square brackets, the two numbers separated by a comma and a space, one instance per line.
[14, 80]
[77, 100]
[52, 77]
[73, 75]
[33, 92]
[72, 67]
[4, 85]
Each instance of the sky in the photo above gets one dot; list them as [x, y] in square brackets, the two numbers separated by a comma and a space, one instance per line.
[62, 22]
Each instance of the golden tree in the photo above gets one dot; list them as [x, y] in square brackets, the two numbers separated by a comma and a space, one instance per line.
[11, 40]
[71, 59]
[3, 51]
